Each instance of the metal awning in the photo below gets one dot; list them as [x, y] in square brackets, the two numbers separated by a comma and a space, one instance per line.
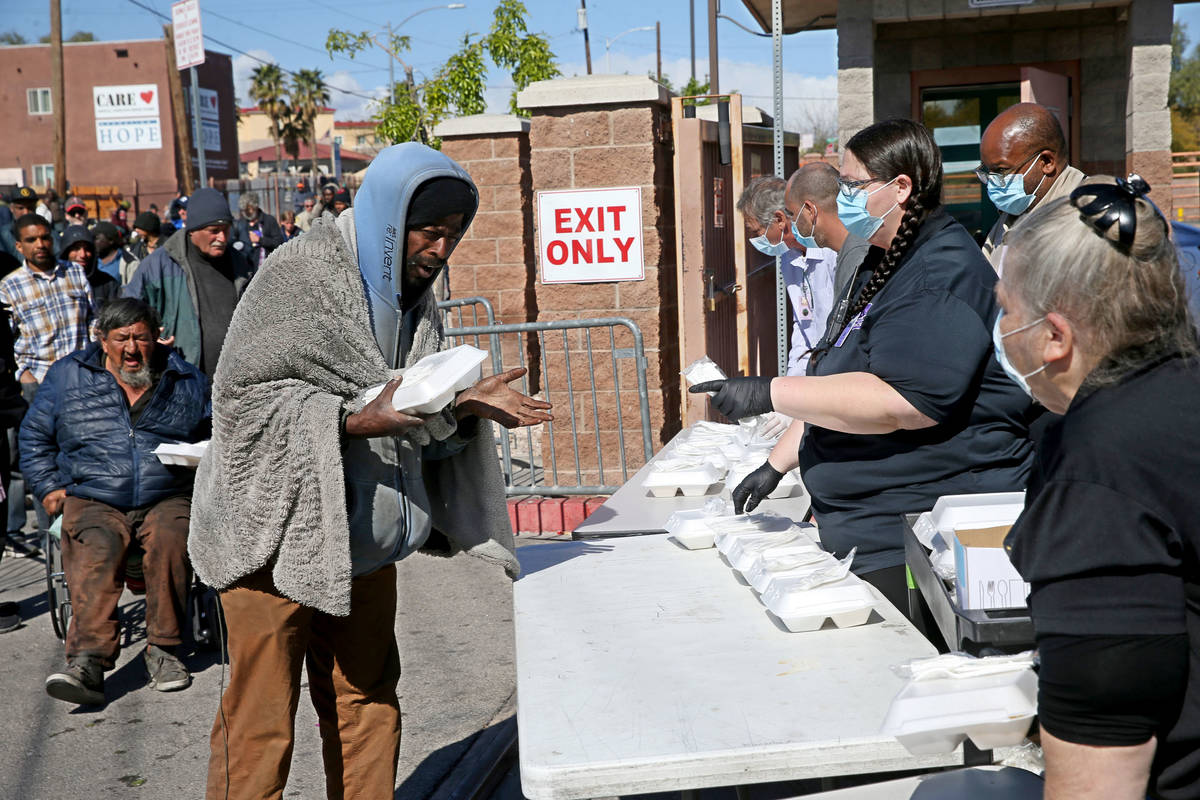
[798, 15]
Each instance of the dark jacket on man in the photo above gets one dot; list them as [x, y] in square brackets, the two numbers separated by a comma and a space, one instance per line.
[167, 281]
[78, 433]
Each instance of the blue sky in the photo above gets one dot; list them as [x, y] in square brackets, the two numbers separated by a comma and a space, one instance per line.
[810, 58]
[292, 33]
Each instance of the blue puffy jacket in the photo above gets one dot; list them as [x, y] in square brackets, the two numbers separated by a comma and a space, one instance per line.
[77, 434]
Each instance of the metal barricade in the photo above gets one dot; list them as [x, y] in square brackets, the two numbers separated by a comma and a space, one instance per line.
[576, 366]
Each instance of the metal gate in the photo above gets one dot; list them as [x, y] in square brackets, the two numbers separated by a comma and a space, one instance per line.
[729, 308]
[590, 370]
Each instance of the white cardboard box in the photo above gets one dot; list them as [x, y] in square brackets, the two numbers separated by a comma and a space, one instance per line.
[986, 579]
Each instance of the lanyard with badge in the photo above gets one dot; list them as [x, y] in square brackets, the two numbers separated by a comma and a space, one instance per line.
[854, 325]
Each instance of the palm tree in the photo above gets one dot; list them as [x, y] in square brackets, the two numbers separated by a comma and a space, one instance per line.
[266, 89]
[309, 95]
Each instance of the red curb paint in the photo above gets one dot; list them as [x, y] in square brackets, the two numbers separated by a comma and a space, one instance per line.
[592, 503]
[512, 512]
[573, 512]
[550, 513]
[527, 515]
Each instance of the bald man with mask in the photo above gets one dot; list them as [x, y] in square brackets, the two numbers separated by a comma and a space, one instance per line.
[1023, 157]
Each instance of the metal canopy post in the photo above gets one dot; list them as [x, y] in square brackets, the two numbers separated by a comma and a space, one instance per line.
[781, 339]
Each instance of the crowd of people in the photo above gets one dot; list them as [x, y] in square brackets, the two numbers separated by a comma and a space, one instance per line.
[1057, 357]
[260, 336]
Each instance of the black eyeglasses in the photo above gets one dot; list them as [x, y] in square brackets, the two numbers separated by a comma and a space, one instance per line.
[1115, 204]
[996, 177]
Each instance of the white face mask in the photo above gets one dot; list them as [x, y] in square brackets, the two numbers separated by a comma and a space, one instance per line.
[1020, 379]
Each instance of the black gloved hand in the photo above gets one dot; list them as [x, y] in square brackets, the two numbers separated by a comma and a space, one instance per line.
[755, 487]
[738, 398]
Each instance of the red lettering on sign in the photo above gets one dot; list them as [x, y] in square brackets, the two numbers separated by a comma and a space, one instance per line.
[581, 250]
[600, 254]
[585, 219]
[616, 212]
[562, 222]
[624, 248]
[557, 246]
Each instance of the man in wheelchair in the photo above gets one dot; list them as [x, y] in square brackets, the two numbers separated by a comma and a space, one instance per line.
[87, 447]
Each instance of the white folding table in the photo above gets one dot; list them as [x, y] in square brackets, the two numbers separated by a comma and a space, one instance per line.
[644, 667]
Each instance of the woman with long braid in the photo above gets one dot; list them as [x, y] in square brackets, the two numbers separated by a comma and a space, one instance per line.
[906, 403]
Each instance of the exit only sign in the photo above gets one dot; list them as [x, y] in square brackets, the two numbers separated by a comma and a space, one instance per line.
[591, 235]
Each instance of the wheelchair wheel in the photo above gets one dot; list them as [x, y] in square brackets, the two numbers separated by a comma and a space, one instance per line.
[58, 598]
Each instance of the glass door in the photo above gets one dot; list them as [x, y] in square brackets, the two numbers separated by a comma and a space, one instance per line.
[957, 116]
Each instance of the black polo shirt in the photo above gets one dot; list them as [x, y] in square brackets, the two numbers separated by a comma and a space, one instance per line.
[1110, 536]
[928, 334]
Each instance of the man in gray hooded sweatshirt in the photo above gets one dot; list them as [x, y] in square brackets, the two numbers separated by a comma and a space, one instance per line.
[307, 497]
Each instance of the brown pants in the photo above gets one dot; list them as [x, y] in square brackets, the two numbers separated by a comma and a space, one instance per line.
[353, 669]
[95, 539]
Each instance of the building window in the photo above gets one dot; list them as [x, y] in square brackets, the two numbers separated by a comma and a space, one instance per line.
[43, 175]
[362, 140]
[337, 140]
[39, 101]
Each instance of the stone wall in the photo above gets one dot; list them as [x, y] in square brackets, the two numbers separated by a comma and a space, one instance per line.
[1096, 38]
[608, 131]
[496, 258]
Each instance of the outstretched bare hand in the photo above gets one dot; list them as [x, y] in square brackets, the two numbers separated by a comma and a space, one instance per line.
[379, 418]
[492, 398]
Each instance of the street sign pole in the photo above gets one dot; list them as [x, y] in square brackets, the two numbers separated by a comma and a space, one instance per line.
[196, 124]
[189, 54]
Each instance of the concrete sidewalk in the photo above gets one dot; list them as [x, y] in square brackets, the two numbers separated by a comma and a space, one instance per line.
[456, 643]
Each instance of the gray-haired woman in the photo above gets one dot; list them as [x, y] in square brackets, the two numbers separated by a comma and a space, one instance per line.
[1096, 327]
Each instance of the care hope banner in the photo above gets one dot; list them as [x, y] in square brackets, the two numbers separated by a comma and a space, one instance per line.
[591, 235]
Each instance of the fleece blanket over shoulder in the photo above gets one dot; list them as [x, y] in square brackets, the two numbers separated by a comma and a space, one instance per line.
[270, 491]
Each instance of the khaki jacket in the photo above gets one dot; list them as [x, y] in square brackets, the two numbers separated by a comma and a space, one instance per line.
[1063, 185]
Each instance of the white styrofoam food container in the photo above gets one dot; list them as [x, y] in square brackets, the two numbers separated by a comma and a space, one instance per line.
[691, 482]
[933, 716]
[763, 571]
[181, 454]
[729, 531]
[976, 511]
[847, 602]
[430, 384]
[690, 528]
[744, 550]
[701, 370]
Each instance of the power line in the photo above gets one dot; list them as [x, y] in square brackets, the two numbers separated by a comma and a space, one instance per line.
[283, 69]
[211, 13]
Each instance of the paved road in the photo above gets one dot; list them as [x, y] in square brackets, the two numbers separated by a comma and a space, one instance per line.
[455, 632]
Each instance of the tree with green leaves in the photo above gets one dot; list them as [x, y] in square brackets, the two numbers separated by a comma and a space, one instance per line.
[1183, 97]
[693, 88]
[457, 87]
[267, 90]
[308, 95]
[12, 37]
[78, 36]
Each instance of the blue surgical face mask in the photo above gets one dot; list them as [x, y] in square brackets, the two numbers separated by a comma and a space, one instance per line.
[998, 343]
[852, 211]
[808, 241]
[1009, 196]
[764, 245]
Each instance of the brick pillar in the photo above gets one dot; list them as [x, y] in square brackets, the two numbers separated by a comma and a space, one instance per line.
[1147, 119]
[595, 132]
[856, 68]
[496, 258]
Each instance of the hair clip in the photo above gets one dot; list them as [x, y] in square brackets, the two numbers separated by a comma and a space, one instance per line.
[1115, 203]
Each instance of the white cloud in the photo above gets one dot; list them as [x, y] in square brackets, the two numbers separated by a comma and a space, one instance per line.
[352, 106]
[808, 98]
[348, 106]
[243, 66]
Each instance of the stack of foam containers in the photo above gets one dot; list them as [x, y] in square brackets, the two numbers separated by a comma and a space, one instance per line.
[992, 705]
[798, 582]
